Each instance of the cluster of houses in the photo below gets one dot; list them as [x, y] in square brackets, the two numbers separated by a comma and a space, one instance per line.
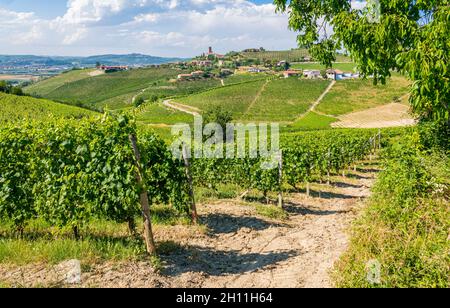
[332, 74]
[210, 60]
[112, 69]
[340, 75]
[191, 76]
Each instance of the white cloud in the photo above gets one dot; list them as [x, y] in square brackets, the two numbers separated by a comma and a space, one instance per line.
[160, 27]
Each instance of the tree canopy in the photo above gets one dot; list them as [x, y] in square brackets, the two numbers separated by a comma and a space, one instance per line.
[409, 36]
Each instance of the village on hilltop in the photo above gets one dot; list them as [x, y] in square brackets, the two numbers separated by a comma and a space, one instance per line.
[215, 65]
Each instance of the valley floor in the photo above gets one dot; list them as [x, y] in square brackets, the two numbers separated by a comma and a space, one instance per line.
[240, 248]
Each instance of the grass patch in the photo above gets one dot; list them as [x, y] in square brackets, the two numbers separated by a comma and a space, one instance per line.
[405, 226]
[272, 211]
[349, 96]
[312, 121]
[224, 191]
[158, 114]
[101, 240]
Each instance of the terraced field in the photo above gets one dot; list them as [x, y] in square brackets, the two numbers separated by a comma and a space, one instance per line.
[17, 108]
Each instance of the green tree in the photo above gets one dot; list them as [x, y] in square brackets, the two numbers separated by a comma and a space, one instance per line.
[4, 86]
[220, 116]
[16, 91]
[411, 36]
[138, 101]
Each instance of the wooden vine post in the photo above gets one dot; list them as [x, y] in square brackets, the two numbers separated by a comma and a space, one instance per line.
[379, 139]
[148, 233]
[329, 167]
[280, 180]
[187, 166]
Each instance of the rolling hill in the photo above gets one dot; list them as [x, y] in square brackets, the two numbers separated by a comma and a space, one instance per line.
[264, 100]
[98, 91]
[17, 108]
[356, 95]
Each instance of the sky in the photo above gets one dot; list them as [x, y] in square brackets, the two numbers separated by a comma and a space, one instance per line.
[171, 28]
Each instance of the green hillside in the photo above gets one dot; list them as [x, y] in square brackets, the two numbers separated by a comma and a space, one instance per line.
[236, 98]
[285, 99]
[46, 86]
[94, 91]
[295, 55]
[271, 100]
[356, 95]
[346, 67]
[16, 108]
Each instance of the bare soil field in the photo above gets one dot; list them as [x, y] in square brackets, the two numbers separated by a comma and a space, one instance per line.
[236, 247]
[391, 115]
[19, 77]
[96, 73]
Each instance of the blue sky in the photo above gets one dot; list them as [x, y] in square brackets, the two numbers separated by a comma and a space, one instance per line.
[181, 28]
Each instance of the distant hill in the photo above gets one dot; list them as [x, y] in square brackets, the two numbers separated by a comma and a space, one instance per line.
[130, 59]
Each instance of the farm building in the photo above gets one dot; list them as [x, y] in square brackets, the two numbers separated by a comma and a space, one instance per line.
[340, 75]
[291, 73]
[112, 69]
[197, 74]
[311, 74]
[202, 63]
[334, 74]
[184, 77]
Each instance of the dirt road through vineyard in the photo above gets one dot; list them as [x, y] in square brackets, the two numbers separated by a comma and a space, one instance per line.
[240, 248]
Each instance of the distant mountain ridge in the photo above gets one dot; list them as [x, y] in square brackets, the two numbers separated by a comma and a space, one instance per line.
[126, 59]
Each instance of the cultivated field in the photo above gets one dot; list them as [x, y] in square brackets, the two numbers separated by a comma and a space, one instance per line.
[346, 67]
[17, 108]
[95, 91]
[281, 100]
[45, 87]
[355, 95]
[236, 98]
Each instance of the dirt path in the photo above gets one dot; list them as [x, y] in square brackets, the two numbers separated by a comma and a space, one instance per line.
[241, 248]
[319, 100]
[186, 109]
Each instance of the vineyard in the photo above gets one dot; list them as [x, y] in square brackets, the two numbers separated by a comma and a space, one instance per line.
[295, 55]
[262, 100]
[69, 172]
[94, 91]
[17, 108]
[48, 85]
